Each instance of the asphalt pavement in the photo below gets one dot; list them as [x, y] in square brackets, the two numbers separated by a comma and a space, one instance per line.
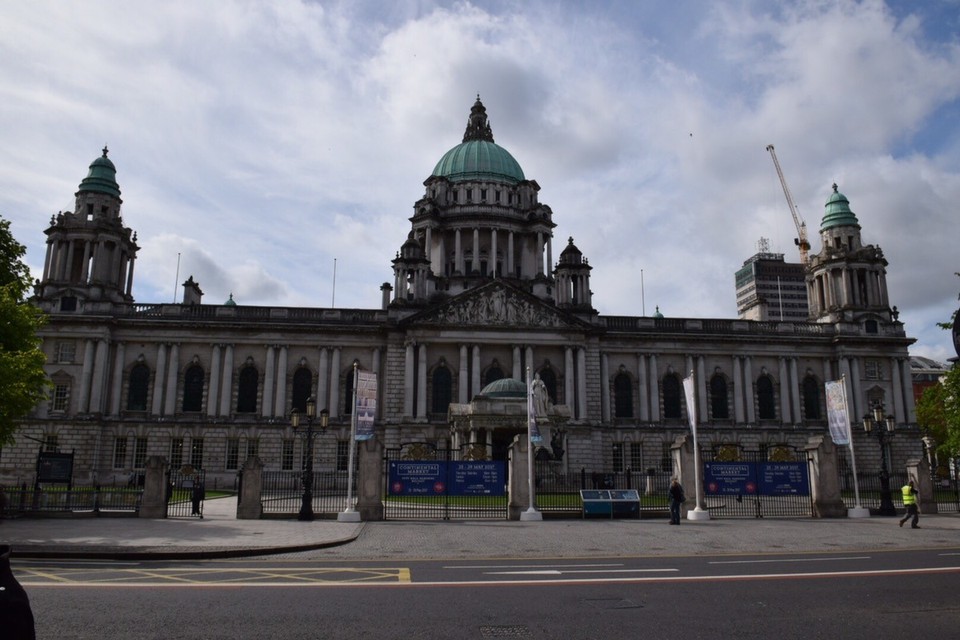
[220, 535]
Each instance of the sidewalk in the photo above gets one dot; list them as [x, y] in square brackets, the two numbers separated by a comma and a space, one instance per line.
[220, 535]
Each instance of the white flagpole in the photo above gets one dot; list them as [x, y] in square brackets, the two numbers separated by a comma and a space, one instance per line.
[698, 513]
[350, 514]
[857, 511]
[531, 513]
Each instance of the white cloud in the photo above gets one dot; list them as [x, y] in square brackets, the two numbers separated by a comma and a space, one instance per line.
[264, 140]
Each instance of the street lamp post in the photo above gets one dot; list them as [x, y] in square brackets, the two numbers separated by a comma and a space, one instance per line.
[308, 434]
[884, 428]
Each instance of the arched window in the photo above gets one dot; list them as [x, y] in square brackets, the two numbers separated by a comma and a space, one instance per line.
[247, 390]
[766, 404]
[492, 374]
[302, 389]
[550, 382]
[137, 391]
[718, 398]
[671, 397]
[622, 396]
[811, 398]
[442, 390]
[193, 389]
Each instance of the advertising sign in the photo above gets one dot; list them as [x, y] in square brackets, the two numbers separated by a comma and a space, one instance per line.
[366, 404]
[477, 478]
[54, 467]
[419, 478]
[730, 478]
[784, 478]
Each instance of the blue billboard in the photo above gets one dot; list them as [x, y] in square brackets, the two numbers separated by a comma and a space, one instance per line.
[454, 478]
[756, 478]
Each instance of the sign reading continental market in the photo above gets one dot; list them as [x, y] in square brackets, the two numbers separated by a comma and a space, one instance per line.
[761, 478]
[453, 478]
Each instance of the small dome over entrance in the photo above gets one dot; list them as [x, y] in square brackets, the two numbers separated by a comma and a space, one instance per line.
[505, 388]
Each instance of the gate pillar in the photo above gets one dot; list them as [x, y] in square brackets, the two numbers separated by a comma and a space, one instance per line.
[249, 506]
[154, 503]
[825, 478]
[370, 480]
[918, 470]
[519, 484]
[684, 469]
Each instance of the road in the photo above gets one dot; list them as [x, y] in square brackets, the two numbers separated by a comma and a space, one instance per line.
[804, 595]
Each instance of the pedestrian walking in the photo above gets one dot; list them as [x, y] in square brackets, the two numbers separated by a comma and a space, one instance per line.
[677, 498]
[197, 496]
[910, 502]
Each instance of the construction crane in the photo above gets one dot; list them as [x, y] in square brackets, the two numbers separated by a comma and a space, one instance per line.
[801, 241]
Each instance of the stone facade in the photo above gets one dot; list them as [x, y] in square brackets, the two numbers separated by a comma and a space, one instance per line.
[476, 296]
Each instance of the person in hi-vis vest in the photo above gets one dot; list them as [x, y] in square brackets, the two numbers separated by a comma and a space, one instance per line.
[910, 502]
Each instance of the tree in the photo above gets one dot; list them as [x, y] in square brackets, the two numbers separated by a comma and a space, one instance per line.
[938, 414]
[23, 382]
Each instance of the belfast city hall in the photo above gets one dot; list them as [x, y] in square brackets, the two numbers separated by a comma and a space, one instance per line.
[485, 290]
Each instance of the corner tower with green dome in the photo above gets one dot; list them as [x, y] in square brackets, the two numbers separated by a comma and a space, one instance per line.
[90, 254]
[479, 219]
[847, 280]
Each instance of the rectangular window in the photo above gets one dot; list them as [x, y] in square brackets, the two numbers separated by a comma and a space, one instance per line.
[253, 448]
[119, 452]
[617, 457]
[636, 457]
[871, 369]
[196, 453]
[176, 453]
[233, 453]
[483, 195]
[469, 193]
[666, 457]
[51, 443]
[286, 460]
[61, 398]
[343, 455]
[140, 453]
[66, 351]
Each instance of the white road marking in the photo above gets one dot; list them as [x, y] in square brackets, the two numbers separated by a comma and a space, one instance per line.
[779, 560]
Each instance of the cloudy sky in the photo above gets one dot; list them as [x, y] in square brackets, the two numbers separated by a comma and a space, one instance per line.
[264, 141]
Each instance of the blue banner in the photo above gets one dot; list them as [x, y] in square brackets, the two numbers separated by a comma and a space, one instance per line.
[456, 478]
[729, 478]
[784, 478]
[756, 478]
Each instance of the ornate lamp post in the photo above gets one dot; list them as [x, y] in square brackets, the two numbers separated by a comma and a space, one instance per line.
[308, 434]
[884, 428]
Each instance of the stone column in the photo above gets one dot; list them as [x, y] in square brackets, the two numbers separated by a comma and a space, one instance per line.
[369, 480]
[518, 488]
[684, 470]
[824, 472]
[249, 506]
[117, 388]
[158, 377]
[784, 392]
[748, 390]
[493, 253]
[642, 388]
[918, 470]
[475, 378]
[475, 262]
[214, 385]
[323, 383]
[896, 397]
[458, 252]
[517, 364]
[170, 401]
[654, 390]
[568, 373]
[226, 389]
[154, 502]
[510, 269]
[795, 392]
[604, 388]
[738, 387]
[408, 381]
[279, 407]
[581, 383]
[266, 410]
[422, 381]
[463, 378]
[334, 399]
[910, 408]
[86, 375]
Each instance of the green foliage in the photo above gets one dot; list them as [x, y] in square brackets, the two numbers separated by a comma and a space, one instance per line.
[23, 382]
[938, 413]
[949, 325]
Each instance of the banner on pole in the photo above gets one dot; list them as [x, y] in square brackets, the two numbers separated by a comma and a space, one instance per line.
[366, 408]
[838, 418]
[689, 392]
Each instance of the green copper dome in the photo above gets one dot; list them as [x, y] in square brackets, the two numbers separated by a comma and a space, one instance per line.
[102, 177]
[478, 157]
[837, 212]
[505, 388]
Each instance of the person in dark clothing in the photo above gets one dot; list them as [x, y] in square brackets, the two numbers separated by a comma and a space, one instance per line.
[16, 617]
[909, 491]
[197, 496]
[677, 498]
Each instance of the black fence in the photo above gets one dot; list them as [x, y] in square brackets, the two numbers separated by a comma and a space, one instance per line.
[55, 498]
[185, 493]
[281, 492]
[558, 491]
[438, 502]
[774, 483]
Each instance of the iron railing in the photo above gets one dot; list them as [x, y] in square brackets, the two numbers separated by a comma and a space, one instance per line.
[558, 491]
[105, 499]
[281, 492]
